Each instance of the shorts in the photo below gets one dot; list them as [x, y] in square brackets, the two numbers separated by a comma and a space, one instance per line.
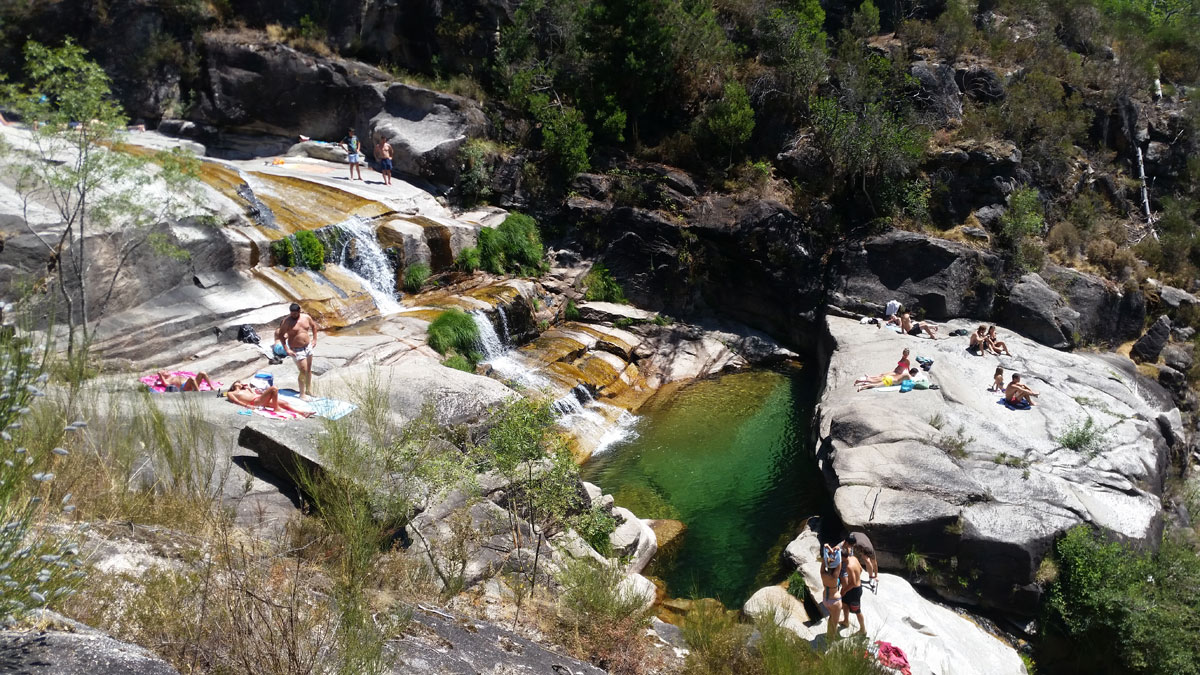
[385, 164]
[302, 354]
[887, 380]
[173, 388]
[852, 599]
[352, 158]
[915, 330]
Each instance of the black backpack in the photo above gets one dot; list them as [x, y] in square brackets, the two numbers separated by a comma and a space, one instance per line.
[246, 334]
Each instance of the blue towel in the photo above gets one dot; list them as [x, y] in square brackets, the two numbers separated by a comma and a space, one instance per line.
[1014, 406]
[331, 408]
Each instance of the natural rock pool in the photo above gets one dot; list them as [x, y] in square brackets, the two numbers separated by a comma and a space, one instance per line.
[731, 458]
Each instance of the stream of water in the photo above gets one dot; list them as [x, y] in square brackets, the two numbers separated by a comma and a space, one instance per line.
[362, 256]
[730, 457]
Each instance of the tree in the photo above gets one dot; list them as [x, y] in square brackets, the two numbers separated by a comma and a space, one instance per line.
[730, 121]
[72, 162]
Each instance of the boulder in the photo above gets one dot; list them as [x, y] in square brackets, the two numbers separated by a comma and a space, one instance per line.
[446, 643]
[975, 174]
[1038, 311]
[426, 129]
[1107, 314]
[66, 647]
[1172, 379]
[1178, 356]
[944, 278]
[1175, 298]
[633, 538]
[786, 611]
[959, 476]
[636, 586]
[325, 150]
[1149, 346]
[938, 95]
[608, 312]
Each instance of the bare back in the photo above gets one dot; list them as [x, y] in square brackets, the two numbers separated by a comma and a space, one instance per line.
[298, 333]
[853, 572]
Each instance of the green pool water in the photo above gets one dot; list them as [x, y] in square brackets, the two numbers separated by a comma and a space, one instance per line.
[729, 457]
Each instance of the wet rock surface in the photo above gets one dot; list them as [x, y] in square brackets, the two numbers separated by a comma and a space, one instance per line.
[960, 476]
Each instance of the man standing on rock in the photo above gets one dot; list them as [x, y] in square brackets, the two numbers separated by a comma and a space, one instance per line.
[383, 153]
[297, 333]
[865, 551]
[353, 148]
[852, 590]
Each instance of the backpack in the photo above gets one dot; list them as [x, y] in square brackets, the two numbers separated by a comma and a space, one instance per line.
[907, 386]
[246, 334]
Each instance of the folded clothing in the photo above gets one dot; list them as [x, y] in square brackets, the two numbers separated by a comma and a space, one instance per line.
[151, 382]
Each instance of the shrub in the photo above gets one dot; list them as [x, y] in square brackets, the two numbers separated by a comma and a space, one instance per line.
[1083, 436]
[606, 625]
[515, 246]
[468, 259]
[571, 312]
[601, 286]
[594, 525]
[312, 251]
[458, 362]
[1117, 610]
[454, 331]
[729, 121]
[475, 172]
[283, 252]
[415, 276]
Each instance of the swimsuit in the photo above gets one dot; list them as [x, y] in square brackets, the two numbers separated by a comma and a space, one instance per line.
[829, 601]
[915, 330]
[887, 380]
[302, 354]
[853, 599]
[385, 164]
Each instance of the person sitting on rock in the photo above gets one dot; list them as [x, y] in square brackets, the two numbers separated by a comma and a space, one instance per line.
[915, 328]
[978, 341]
[832, 596]
[1018, 394]
[993, 343]
[902, 366]
[171, 382]
[889, 380]
[997, 380]
[246, 396]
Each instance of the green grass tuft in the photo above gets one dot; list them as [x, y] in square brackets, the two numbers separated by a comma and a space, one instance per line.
[454, 332]
[415, 276]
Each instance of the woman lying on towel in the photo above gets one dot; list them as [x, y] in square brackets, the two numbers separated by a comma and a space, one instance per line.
[246, 396]
[889, 380]
[178, 382]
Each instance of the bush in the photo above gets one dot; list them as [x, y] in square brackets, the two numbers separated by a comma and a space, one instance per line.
[468, 259]
[454, 331]
[513, 247]
[475, 172]
[1083, 436]
[571, 312]
[606, 625]
[1114, 610]
[415, 276]
[601, 286]
[300, 249]
[458, 362]
[729, 121]
[594, 525]
[312, 251]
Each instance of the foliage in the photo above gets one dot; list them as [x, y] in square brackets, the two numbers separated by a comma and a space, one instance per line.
[730, 120]
[1117, 610]
[312, 251]
[102, 194]
[1085, 436]
[38, 565]
[468, 259]
[792, 39]
[864, 142]
[475, 172]
[459, 362]
[571, 311]
[515, 246]
[594, 525]
[605, 624]
[454, 331]
[601, 286]
[1020, 222]
[415, 276]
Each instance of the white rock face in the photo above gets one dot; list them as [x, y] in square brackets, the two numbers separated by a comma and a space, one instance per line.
[638, 586]
[634, 538]
[955, 473]
[785, 610]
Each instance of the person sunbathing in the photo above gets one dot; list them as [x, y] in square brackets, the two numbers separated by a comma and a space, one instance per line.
[246, 396]
[978, 341]
[1019, 394]
[171, 382]
[993, 343]
[915, 328]
[889, 380]
[902, 365]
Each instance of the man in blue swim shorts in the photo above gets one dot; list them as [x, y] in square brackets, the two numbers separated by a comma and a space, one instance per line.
[383, 153]
[353, 148]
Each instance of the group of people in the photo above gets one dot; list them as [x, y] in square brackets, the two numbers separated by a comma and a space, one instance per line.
[296, 337]
[898, 375]
[354, 155]
[984, 339]
[842, 568]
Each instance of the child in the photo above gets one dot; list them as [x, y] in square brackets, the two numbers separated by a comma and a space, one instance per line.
[998, 380]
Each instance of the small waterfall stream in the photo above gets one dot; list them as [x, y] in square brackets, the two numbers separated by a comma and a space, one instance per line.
[577, 409]
[362, 256]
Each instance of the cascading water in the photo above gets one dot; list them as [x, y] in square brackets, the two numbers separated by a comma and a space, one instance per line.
[577, 410]
[503, 325]
[369, 263]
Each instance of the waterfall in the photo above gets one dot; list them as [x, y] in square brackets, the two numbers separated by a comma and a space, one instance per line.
[490, 344]
[369, 263]
[504, 335]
